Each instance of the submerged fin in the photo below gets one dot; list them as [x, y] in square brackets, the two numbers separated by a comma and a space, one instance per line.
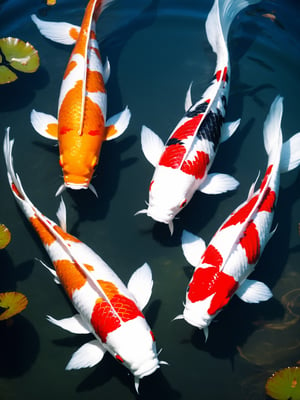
[74, 324]
[62, 215]
[140, 285]
[45, 124]
[253, 291]
[188, 98]
[290, 154]
[117, 124]
[218, 183]
[60, 32]
[152, 145]
[87, 355]
[51, 270]
[228, 129]
[193, 247]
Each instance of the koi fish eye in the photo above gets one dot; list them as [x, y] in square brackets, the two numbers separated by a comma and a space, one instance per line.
[183, 204]
[150, 186]
[119, 358]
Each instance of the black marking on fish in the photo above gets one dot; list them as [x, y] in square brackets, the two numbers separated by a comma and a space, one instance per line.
[173, 140]
[199, 109]
[210, 128]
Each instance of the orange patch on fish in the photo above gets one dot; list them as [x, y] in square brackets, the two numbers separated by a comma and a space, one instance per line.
[65, 235]
[52, 130]
[71, 65]
[43, 231]
[94, 82]
[69, 275]
[109, 288]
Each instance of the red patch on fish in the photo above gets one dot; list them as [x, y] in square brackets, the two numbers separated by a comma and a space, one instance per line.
[241, 215]
[269, 201]
[224, 74]
[187, 129]
[218, 75]
[172, 156]
[198, 166]
[63, 130]
[211, 281]
[105, 319]
[251, 243]
[212, 257]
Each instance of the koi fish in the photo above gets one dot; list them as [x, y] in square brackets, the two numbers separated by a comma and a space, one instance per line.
[81, 126]
[182, 165]
[222, 268]
[105, 307]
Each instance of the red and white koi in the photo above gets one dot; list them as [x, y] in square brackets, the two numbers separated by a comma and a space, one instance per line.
[81, 126]
[222, 268]
[182, 165]
[106, 308]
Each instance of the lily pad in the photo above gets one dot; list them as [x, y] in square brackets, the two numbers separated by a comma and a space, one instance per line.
[4, 231]
[284, 384]
[20, 55]
[13, 303]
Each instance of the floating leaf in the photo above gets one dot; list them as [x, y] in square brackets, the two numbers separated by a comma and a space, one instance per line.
[6, 75]
[13, 302]
[284, 384]
[51, 2]
[4, 235]
[21, 56]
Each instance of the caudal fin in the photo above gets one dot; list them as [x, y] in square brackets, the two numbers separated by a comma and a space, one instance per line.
[219, 21]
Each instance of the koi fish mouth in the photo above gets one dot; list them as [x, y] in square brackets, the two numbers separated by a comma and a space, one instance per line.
[76, 186]
[159, 218]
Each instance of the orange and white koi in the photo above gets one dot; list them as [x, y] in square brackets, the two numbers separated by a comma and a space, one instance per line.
[182, 164]
[222, 268]
[81, 126]
[106, 308]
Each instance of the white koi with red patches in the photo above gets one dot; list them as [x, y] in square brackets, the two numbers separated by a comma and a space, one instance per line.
[182, 165]
[222, 268]
[81, 126]
[106, 308]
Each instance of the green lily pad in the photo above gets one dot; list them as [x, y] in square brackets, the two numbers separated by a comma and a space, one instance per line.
[4, 231]
[6, 75]
[20, 55]
[284, 384]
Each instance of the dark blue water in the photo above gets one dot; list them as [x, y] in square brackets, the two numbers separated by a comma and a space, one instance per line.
[156, 48]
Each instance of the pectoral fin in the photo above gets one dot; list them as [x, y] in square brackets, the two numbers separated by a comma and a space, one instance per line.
[117, 124]
[188, 98]
[87, 355]
[45, 124]
[60, 32]
[152, 145]
[253, 291]
[193, 247]
[218, 183]
[73, 324]
[228, 130]
[140, 285]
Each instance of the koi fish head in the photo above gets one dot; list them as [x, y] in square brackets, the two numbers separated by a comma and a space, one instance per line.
[133, 345]
[77, 174]
[169, 192]
[208, 292]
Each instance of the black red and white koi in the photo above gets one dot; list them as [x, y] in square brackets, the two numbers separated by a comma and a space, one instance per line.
[182, 165]
[105, 307]
[222, 268]
[81, 126]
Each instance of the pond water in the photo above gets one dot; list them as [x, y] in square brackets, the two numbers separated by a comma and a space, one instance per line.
[156, 48]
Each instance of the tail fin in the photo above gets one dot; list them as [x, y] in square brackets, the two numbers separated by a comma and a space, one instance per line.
[289, 151]
[100, 7]
[272, 130]
[219, 21]
[14, 181]
[290, 154]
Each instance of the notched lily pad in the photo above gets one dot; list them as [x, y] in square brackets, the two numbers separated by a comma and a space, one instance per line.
[20, 55]
[13, 303]
[284, 384]
[5, 235]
